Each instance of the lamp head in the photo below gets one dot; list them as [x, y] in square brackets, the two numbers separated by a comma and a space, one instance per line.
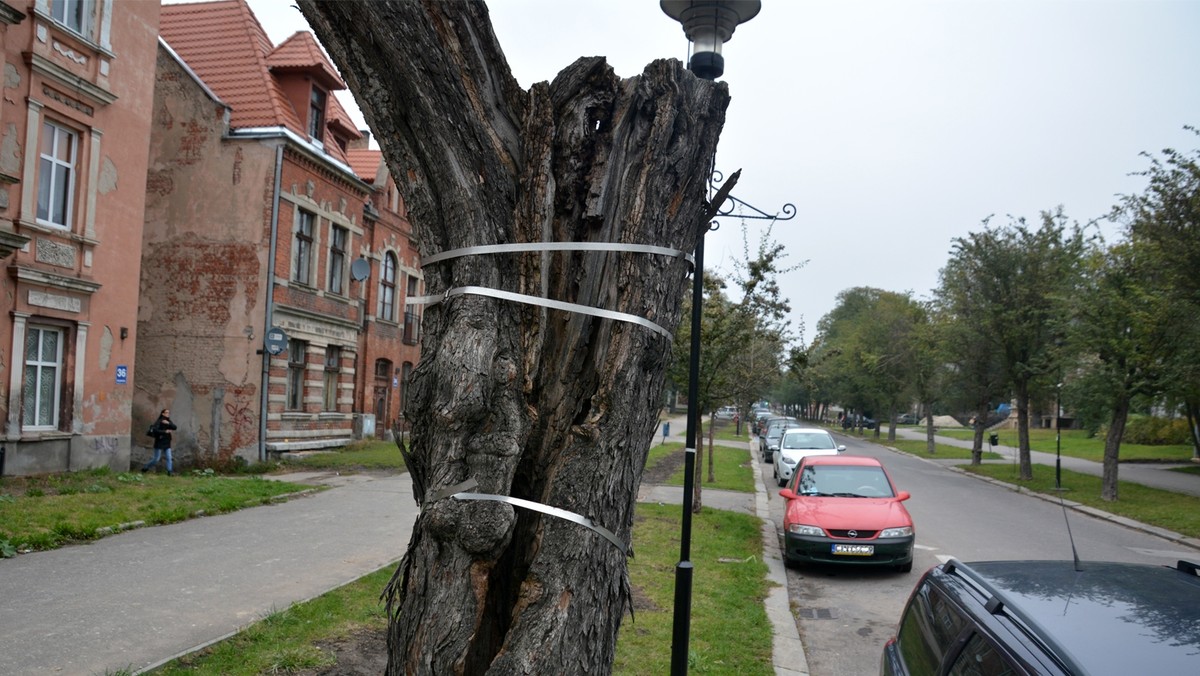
[709, 24]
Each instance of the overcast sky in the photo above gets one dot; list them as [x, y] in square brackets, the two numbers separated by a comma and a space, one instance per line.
[894, 126]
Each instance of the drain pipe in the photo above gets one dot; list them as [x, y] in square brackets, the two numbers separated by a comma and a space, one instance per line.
[270, 307]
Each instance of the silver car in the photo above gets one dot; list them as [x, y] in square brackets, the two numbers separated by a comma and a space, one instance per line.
[798, 442]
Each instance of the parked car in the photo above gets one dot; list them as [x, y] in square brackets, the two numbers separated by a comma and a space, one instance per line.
[854, 420]
[769, 441]
[845, 509]
[800, 442]
[1049, 617]
[726, 413]
[908, 419]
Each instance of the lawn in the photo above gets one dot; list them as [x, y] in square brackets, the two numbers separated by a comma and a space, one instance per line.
[1173, 511]
[362, 455]
[732, 469]
[919, 448]
[47, 511]
[730, 632]
[1077, 444]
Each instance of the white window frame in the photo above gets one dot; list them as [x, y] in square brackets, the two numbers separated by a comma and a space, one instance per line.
[49, 191]
[68, 13]
[42, 368]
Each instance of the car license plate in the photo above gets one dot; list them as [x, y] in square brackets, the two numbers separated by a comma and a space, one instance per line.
[854, 550]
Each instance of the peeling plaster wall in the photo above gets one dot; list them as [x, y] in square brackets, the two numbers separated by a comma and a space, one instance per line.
[203, 272]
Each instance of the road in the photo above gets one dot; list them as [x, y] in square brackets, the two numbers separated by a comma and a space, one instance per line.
[846, 614]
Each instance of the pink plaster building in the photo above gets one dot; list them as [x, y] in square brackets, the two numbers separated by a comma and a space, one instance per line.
[276, 254]
[74, 129]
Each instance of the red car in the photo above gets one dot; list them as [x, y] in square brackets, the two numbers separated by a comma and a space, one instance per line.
[845, 509]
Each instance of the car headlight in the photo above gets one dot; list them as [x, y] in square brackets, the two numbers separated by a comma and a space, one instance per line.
[801, 529]
[903, 532]
[787, 460]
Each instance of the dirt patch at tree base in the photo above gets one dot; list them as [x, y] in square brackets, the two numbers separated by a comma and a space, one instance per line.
[361, 653]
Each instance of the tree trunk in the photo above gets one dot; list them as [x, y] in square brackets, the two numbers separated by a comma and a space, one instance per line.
[1112, 448]
[1193, 418]
[712, 429]
[930, 444]
[1022, 391]
[553, 407]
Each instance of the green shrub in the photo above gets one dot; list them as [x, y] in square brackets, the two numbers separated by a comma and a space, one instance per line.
[1154, 431]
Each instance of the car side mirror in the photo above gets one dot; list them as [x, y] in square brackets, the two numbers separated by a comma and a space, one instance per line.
[788, 493]
[903, 495]
[841, 448]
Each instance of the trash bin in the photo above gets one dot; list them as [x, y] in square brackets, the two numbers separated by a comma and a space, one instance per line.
[994, 439]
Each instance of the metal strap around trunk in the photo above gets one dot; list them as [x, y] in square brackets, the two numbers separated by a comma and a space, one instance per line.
[459, 492]
[525, 247]
[537, 300]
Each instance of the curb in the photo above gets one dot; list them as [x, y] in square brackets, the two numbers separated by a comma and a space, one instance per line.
[1170, 536]
[787, 650]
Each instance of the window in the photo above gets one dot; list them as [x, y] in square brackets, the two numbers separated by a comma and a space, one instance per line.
[43, 377]
[333, 360]
[316, 115]
[337, 259]
[387, 288]
[74, 14]
[297, 351]
[978, 657]
[56, 175]
[305, 222]
[383, 368]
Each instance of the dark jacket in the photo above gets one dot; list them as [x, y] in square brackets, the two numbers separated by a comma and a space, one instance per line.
[162, 432]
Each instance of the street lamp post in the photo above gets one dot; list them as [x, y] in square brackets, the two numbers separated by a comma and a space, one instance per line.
[708, 24]
[1058, 437]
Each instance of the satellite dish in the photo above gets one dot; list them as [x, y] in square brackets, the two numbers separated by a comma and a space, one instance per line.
[360, 269]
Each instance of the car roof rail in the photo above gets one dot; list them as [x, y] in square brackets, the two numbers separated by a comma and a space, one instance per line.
[1188, 567]
[997, 604]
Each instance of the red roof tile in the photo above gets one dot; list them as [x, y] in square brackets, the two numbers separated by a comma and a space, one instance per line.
[223, 43]
[365, 163]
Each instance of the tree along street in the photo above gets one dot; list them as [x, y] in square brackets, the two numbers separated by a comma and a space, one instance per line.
[847, 613]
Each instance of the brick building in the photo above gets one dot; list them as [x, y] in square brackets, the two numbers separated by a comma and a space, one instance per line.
[74, 128]
[265, 213]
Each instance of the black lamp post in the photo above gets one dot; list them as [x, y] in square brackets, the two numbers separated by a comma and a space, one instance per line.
[708, 24]
[1058, 437]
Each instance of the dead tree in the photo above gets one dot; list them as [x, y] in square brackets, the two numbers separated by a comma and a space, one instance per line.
[556, 407]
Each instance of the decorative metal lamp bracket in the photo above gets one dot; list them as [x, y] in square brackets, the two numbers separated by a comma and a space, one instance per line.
[786, 213]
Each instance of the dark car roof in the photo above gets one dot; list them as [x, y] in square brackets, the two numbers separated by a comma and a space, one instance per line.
[1106, 618]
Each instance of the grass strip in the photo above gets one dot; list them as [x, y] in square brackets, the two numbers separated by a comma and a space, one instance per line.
[288, 640]
[942, 451]
[47, 511]
[730, 631]
[363, 455]
[732, 470]
[1077, 444]
[1173, 511]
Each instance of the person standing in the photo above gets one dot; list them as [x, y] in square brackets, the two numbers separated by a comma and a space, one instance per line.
[161, 431]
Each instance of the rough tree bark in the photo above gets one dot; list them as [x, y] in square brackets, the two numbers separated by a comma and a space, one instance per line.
[553, 407]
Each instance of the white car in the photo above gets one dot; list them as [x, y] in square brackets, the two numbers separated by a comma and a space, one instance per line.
[798, 442]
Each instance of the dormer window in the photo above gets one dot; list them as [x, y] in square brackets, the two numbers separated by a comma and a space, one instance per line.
[316, 115]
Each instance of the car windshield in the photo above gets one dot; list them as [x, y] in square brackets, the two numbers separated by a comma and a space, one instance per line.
[808, 441]
[844, 481]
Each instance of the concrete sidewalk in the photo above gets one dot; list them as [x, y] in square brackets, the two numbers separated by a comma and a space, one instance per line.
[136, 599]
